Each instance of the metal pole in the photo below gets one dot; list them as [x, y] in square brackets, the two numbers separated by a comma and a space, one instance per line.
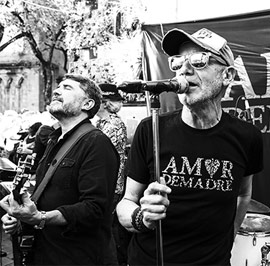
[155, 126]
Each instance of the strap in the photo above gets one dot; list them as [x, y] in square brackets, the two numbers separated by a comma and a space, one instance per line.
[66, 147]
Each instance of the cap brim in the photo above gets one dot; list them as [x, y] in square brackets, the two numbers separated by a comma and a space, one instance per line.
[113, 98]
[174, 38]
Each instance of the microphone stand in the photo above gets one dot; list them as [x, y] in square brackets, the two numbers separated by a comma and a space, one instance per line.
[155, 107]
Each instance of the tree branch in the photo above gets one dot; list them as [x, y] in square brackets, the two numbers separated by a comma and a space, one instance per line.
[64, 51]
[34, 47]
[17, 15]
[57, 35]
[30, 38]
[18, 36]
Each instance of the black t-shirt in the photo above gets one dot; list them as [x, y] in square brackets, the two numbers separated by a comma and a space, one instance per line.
[204, 169]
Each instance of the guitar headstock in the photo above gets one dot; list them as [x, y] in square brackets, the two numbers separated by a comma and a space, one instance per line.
[21, 181]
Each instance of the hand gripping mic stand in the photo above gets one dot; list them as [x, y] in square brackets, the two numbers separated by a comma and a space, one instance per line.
[155, 107]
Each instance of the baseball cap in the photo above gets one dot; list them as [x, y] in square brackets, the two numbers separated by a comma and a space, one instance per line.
[110, 92]
[205, 38]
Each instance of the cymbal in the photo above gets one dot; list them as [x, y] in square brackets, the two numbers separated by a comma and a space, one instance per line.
[257, 207]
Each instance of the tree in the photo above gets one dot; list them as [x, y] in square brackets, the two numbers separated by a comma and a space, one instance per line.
[110, 31]
[42, 25]
[71, 26]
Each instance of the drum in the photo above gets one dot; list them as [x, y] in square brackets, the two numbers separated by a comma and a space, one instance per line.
[253, 234]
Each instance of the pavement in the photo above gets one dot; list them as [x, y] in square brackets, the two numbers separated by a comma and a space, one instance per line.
[6, 246]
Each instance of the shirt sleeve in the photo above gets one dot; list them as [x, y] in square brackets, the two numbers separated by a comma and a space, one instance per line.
[140, 154]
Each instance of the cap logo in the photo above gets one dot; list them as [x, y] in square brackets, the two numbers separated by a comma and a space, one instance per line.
[210, 39]
[204, 33]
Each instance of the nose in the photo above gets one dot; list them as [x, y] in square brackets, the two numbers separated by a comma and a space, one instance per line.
[186, 69]
[57, 91]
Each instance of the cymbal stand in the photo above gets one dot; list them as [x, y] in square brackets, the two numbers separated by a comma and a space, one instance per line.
[265, 250]
[155, 107]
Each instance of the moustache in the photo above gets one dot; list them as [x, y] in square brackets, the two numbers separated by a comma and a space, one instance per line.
[57, 99]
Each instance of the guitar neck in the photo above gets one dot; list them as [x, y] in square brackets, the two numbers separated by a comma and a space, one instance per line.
[21, 182]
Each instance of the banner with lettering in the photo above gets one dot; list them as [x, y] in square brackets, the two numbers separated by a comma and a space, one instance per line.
[248, 36]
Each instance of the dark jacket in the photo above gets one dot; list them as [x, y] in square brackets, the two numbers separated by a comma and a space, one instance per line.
[82, 189]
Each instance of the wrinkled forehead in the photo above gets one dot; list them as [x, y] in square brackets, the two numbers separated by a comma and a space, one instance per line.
[73, 84]
[69, 82]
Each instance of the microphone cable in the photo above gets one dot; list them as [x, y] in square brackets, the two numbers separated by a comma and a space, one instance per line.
[246, 113]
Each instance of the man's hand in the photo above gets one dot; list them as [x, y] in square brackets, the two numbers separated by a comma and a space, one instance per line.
[154, 203]
[26, 212]
[10, 224]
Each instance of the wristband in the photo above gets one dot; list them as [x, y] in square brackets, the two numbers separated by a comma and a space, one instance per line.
[137, 221]
[42, 222]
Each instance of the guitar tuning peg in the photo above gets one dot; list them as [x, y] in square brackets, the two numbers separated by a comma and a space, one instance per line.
[23, 190]
[19, 170]
[27, 184]
[16, 182]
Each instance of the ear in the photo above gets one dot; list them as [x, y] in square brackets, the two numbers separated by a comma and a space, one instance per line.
[88, 104]
[228, 75]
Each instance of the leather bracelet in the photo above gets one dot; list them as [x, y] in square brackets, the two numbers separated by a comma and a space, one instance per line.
[137, 220]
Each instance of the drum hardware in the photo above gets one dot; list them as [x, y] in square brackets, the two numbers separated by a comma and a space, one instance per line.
[257, 207]
[254, 241]
[252, 235]
[265, 250]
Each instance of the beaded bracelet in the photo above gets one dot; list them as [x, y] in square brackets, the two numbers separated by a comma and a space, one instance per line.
[137, 220]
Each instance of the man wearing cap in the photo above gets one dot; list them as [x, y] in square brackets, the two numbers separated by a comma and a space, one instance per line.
[112, 125]
[207, 161]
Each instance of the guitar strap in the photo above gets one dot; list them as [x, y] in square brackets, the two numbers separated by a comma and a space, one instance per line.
[66, 147]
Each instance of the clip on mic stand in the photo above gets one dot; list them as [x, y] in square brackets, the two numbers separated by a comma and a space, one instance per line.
[155, 107]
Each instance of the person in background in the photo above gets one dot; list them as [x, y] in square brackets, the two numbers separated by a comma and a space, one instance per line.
[112, 125]
[26, 144]
[41, 141]
[72, 216]
[42, 136]
[207, 162]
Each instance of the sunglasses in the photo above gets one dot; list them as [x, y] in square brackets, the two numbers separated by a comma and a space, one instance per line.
[197, 60]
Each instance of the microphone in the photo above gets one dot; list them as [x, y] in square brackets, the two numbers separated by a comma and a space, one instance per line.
[157, 86]
[248, 111]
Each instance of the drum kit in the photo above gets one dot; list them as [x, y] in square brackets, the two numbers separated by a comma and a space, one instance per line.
[252, 243]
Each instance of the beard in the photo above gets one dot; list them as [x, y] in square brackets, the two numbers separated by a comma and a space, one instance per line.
[62, 111]
[210, 93]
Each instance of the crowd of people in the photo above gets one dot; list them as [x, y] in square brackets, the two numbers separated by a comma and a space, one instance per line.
[94, 204]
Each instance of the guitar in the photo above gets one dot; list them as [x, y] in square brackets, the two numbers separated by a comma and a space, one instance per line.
[21, 241]
[22, 179]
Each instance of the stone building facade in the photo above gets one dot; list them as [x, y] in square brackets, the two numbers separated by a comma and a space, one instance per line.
[20, 86]
[21, 81]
